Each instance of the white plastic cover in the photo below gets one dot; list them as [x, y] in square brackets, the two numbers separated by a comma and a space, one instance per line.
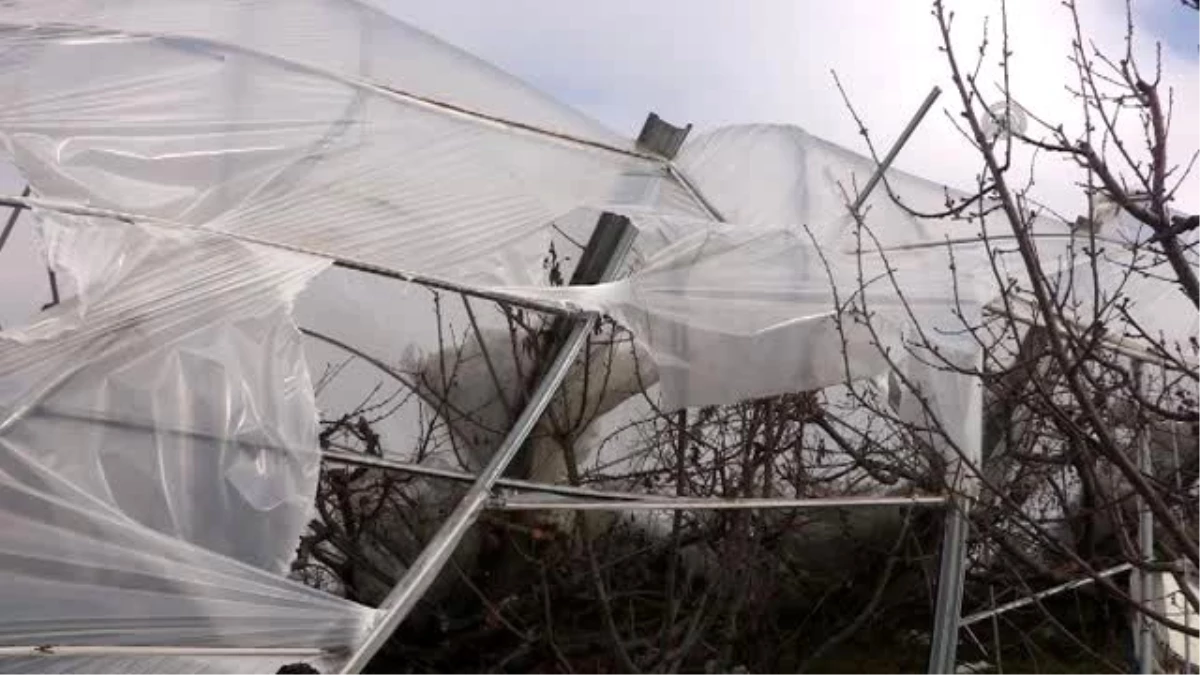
[158, 460]
[342, 38]
[206, 134]
[1130, 272]
[231, 130]
[158, 436]
[43, 663]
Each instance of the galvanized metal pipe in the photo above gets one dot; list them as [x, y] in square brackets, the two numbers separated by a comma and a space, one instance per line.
[685, 503]
[896, 147]
[138, 650]
[358, 459]
[944, 647]
[1145, 544]
[1054, 590]
[421, 574]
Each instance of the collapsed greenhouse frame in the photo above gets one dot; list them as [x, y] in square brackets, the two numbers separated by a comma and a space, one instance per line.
[608, 248]
[481, 497]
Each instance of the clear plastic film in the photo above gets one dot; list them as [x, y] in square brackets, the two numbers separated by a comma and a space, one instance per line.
[204, 133]
[158, 432]
[341, 38]
[1121, 268]
[779, 175]
[158, 459]
[157, 664]
[732, 312]
[775, 300]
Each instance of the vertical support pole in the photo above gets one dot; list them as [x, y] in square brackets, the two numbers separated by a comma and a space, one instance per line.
[999, 647]
[1145, 636]
[943, 649]
[1145, 544]
[1146, 581]
[1188, 656]
[1186, 575]
[614, 235]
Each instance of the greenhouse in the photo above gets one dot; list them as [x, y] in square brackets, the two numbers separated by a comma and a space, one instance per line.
[272, 224]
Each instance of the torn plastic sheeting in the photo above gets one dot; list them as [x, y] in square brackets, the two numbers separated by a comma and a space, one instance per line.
[730, 312]
[175, 346]
[745, 282]
[194, 134]
[346, 37]
[770, 175]
[158, 460]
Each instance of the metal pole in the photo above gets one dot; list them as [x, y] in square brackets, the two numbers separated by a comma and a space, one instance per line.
[12, 220]
[891, 156]
[1015, 604]
[944, 647]
[138, 650]
[996, 643]
[1188, 657]
[1181, 579]
[1145, 545]
[683, 503]
[950, 578]
[358, 459]
[425, 568]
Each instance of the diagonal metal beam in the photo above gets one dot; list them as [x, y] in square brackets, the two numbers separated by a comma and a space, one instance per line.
[616, 235]
[1030, 599]
[12, 220]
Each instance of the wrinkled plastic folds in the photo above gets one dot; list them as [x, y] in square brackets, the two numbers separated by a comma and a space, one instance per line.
[158, 460]
[158, 664]
[157, 434]
[246, 137]
[325, 141]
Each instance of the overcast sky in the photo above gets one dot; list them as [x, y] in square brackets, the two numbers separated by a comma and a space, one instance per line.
[713, 62]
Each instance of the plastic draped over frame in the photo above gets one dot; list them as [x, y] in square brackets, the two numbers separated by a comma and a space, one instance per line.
[158, 455]
[158, 459]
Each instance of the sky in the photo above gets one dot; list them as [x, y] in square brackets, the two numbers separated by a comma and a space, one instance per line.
[715, 62]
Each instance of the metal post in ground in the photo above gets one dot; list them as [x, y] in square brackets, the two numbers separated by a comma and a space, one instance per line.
[1146, 588]
[608, 246]
[943, 649]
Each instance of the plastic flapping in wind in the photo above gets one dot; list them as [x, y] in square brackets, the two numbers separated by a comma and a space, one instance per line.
[346, 40]
[158, 437]
[191, 128]
[158, 460]
[218, 123]
[1127, 272]
[772, 301]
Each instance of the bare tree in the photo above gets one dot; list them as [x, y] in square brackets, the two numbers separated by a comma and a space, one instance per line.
[1075, 384]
